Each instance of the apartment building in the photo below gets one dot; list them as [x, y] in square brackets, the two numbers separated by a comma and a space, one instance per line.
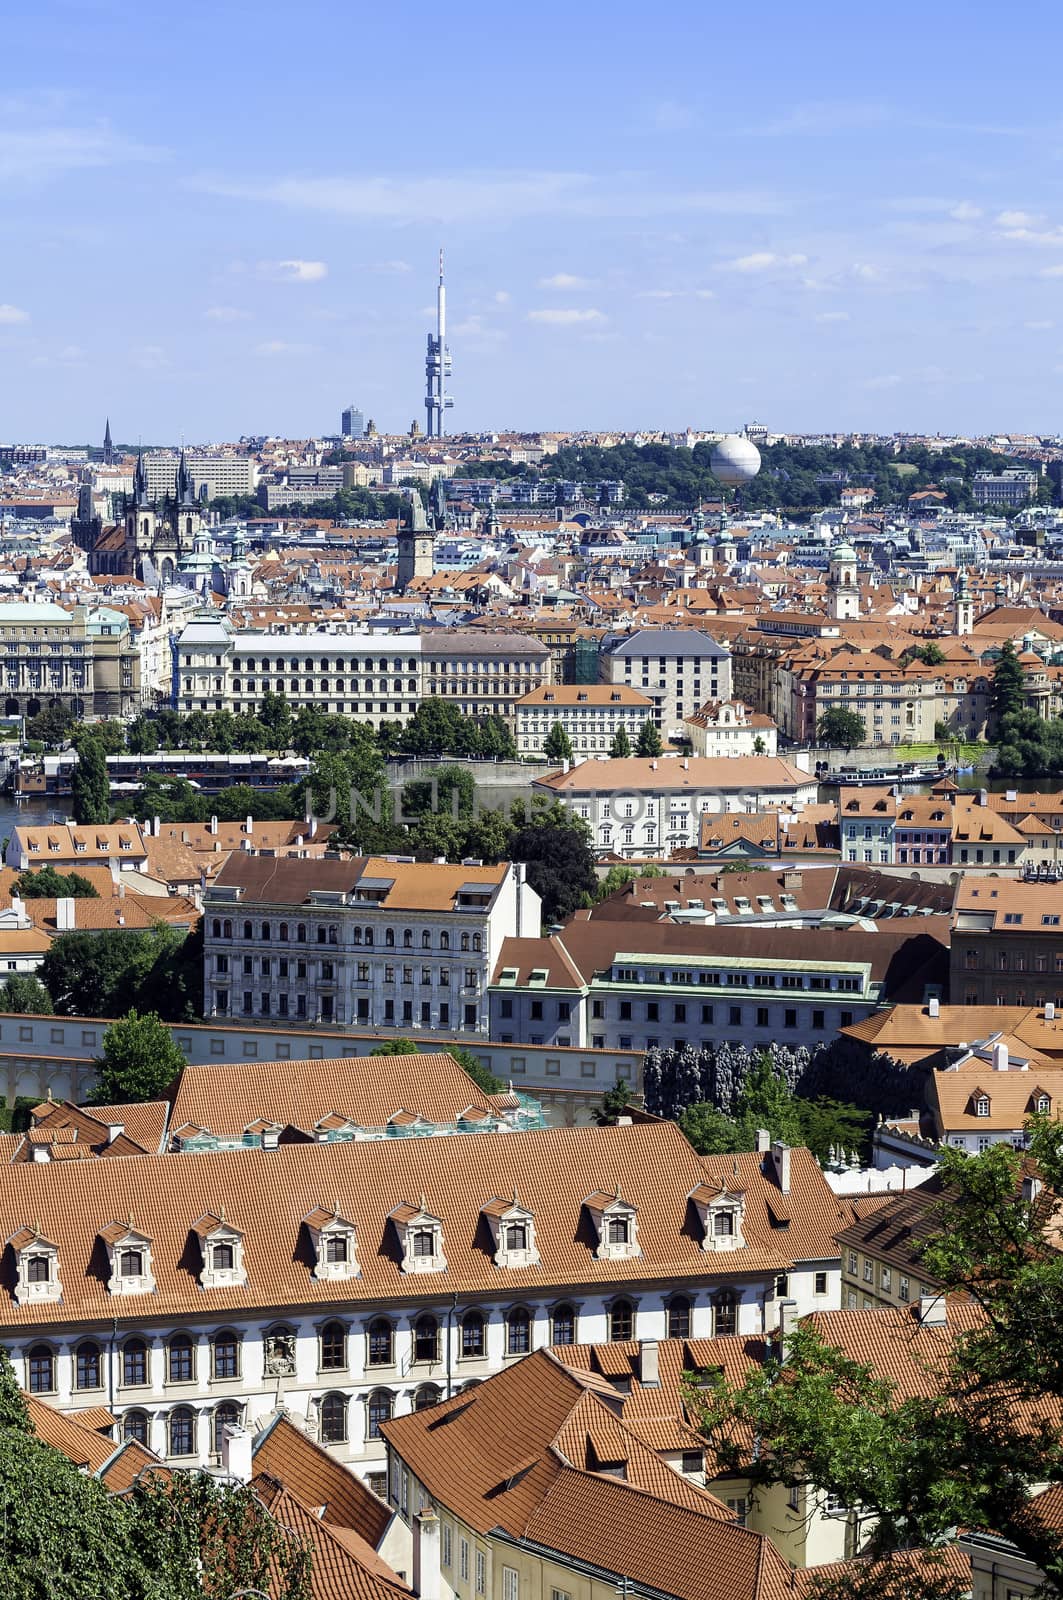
[373, 677]
[370, 942]
[364, 1280]
[1012, 487]
[679, 669]
[867, 818]
[211, 475]
[483, 674]
[591, 714]
[649, 806]
[644, 986]
[730, 728]
[47, 658]
[1007, 943]
[988, 1094]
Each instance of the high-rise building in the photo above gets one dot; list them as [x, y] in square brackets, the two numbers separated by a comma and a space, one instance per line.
[352, 423]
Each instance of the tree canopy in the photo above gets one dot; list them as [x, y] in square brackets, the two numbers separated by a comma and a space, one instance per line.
[1007, 697]
[26, 995]
[841, 728]
[140, 1059]
[110, 973]
[90, 787]
[48, 884]
[649, 740]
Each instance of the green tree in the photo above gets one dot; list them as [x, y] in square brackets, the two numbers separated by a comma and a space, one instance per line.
[48, 884]
[767, 1102]
[1007, 696]
[142, 737]
[26, 995]
[759, 747]
[930, 654]
[614, 1103]
[969, 1450]
[841, 728]
[110, 973]
[109, 734]
[620, 747]
[558, 745]
[140, 1060]
[560, 866]
[649, 740]
[710, 1130]
[275, 715]
[52, 725]
[89, 785]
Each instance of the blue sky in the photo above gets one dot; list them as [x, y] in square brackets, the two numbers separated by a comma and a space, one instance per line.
[223, 218]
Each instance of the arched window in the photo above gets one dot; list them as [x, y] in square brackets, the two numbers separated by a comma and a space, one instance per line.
[215, 927]
[134, 1362]
[429, 1394]
[621, 1320]
[225, 1351]
[618, 1230]
[39, 1269]
[477, 941]
[130, 1263]
[87, 1365]
[426, 1339]
[369, 936]
[472, 1334]
[518, 1332]
[725, 1313]
[389, 938]
[465, 941]
[282, 933]
[563, 1324]
[249, 932]
[357, 935]
[223, 1257]
[378, 1411]
[426, 940]
[381, 1343]
[135, 1426]
[227, 1415]
[264, 932]
[407, 938]
[321, 934]
[333, 1347]
[334, 1419]
[181, 1359]
[723, 1224]
[679, 1317]
[444, 940]
[40, 1369]
[300, 933]
[182, 1432]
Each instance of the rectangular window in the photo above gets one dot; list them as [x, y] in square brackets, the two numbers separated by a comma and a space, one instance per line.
[510, 1584]
[481, 1572]
[820, 1283]
[446, 1538]
[739, 1504]
[869, 1271]
[852, 1262]
[463, 1560]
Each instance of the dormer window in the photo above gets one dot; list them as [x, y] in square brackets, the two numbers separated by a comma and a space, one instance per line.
[333, 1238]
[129, 1255]
[37, 1264]
[222, 1251]
[420, 1238]
[616, 1222]
[513, 1232]
[721, 1213]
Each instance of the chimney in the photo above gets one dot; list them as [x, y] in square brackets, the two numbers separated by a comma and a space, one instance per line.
[236, 1453]
[787, 1324]
[213, 824]
[780, 1155]
[155, 827]
[763, 1144]
[1050, 1011]
[1000, 1057]
[249, 826]
[934, 1007]
[983, 797]
[933, 1312]
[649, 1368]
[426, 1584]
[65, 914]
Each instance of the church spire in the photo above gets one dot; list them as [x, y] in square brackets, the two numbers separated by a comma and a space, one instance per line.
[140, 481]
[108, 446]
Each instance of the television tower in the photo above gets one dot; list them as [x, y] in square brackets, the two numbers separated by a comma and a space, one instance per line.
[437, 365]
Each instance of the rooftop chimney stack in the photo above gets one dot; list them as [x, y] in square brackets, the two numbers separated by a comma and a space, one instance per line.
[763, 1141]
[934, 1007]
[649, 1366]
[780, 1155]
[1000, 1057]
[236, 1453]
[426, 1580]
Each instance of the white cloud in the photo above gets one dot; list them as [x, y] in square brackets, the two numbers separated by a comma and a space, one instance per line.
[294, 271]
[763, 261]
[1039, 327]
[282, 347]
[502, 195]
[965, 212]
[9, 315]
[395, 266]
[1049, 236]
[29, 154]
[658, 294]
[502, 297]
[1051, 272]
[566, 280]
[226, 314]
[566, 317]
[1017, 219]
[831, 316]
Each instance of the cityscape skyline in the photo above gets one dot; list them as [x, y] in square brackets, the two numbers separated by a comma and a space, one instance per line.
[647, 244]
